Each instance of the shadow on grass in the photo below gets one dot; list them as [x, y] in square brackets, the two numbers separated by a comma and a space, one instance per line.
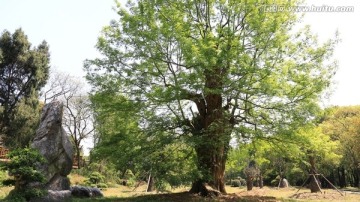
[182, 197]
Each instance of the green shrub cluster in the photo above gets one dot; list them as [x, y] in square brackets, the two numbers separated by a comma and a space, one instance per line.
[100, 174]
[22, 167]
[25, 194]
[235, 183]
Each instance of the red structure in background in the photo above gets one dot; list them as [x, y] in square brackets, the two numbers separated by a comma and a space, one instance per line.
[3, 153]
[75, 162]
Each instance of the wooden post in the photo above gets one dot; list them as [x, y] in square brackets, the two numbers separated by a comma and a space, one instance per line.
[148, 184]
[279, 183]
[302, 184]
[316, 181]
[332, 184]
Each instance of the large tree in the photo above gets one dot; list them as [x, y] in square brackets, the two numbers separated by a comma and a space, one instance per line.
[208, 70]
[24, 70]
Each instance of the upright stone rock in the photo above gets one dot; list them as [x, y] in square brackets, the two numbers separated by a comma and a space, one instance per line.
[53, 143]
[284, 183]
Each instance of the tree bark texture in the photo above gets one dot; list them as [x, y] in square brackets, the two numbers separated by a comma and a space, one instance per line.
[249, 183]
[211, 135]
[261, 181]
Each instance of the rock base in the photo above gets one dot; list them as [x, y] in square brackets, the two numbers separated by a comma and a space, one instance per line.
[58, 183]
[52, 196]
[85, 192]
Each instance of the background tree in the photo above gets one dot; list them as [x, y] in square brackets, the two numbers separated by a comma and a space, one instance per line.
[24, 70]
[59, 85]
[208, 70]
[25, 122]
[308, 151]
[343, 124]
[317, 147]
[78, 121]
[149, 156]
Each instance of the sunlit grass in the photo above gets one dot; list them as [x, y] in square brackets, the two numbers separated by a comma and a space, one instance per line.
[124, 193]
[76, 179]
[4, 191]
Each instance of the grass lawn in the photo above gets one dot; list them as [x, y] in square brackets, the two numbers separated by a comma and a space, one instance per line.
[270, 194]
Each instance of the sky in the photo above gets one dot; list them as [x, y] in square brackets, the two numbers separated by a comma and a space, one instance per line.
[71, 28]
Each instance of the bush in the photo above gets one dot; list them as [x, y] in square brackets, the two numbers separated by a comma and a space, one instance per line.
[235, 183]
[131, 182]
[96, 178]
[129, 174]
[102, 185]
[275, 182]
[113, 185]
[22, 166]
[161, 185]
[15, 196]
[26, 194]
[107, 171]
[242, 181]
[76, 179]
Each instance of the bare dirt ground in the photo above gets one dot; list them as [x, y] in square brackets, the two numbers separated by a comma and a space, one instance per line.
[318, 196]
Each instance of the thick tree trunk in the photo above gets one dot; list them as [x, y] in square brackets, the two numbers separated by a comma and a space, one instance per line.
[211, 149]
[199, 187]
[211, 134]
[314, 184]
[249, 183]
[211, 163]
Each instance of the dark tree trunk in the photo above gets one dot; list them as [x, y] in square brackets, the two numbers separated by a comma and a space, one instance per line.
[249, 183]
[211, 163]
[342, 177]
[261, 181]
[199, 187]
[211, 135]
[314, 184]
[151, 184]
[77, 156]
[356, 173]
